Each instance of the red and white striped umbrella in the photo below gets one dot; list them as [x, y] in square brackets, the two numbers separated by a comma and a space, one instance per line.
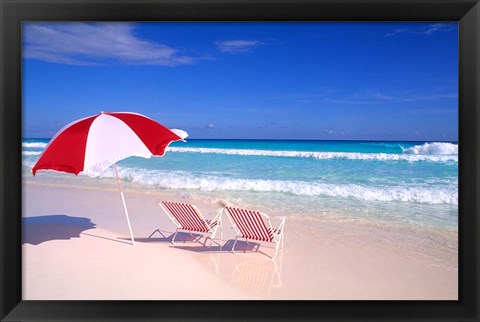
[93, 144]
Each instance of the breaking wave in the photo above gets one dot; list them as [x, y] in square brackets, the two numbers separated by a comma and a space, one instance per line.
[409, 154]
[441, 194]
[31, 152]
[34, 145]
[435, 148]
[432, 152]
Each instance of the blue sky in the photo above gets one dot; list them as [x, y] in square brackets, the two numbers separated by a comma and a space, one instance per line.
[342, 81]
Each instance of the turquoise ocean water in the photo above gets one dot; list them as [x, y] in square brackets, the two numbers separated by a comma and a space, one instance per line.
[408, 183]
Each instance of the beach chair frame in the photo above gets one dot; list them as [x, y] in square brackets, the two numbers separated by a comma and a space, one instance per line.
[277, 234]
[207, 228]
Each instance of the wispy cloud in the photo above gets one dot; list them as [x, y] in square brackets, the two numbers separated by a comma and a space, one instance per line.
[330, 132]
[377, 98]
[210, 126]
[438, 27]
[424, 30]
[237, 46]
[95, 44]
[415, 97]
[368, 97]
[433, 110]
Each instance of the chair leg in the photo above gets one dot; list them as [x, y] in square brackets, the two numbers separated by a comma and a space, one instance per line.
[276, 250]
[221, 238]
[211, 237]
[234, 243]
[211, 241]
[174, 235]
[155, 232]
[205, 241]
[218, 243]
[278, 243]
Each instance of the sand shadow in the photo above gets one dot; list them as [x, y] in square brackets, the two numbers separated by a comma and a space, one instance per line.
[39, 229]
[107, 238]
[240, 247]
[182, 237]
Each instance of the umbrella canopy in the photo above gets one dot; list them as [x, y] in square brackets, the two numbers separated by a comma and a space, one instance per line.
[93, 144]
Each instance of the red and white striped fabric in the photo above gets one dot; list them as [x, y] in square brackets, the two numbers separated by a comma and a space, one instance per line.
[251, 224]
[92, 144]
[188, 217]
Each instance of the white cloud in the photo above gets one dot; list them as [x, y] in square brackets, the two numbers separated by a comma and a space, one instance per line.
[79, 43]
[437, 27]
[415, 97]
[433, 110]
[396, 32]
[425, 30]
[237, 46]
[369, 97]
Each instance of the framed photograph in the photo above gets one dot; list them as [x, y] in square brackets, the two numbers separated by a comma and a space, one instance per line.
[240, 160]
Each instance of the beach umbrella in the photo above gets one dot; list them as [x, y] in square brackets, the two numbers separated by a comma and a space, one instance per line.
[92, 144]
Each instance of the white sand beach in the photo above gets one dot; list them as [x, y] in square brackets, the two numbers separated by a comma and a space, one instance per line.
[77, 246]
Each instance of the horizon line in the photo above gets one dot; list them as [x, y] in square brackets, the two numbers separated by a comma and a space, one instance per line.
[258, 139]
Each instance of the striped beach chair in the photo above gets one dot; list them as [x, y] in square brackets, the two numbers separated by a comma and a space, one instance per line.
[187, 217]
[254, 225]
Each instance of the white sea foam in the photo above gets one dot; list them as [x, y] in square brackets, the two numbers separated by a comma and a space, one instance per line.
[34, 145]
[31, 152]
[441, 194]
[435, 148]
[433, 152]
[407, 156]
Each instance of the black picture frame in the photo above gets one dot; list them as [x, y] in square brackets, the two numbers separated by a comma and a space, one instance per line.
[13, 12]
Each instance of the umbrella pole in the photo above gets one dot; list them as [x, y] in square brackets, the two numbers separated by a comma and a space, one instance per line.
[119, 183]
